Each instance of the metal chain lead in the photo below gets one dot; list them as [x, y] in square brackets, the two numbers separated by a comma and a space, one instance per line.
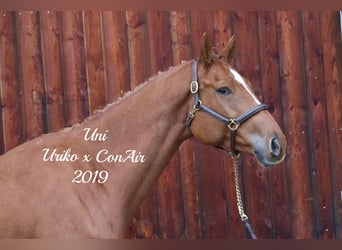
[239, 203]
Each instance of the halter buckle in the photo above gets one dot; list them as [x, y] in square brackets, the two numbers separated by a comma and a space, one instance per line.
[233, 124]
[191, 114]
[195, 109]
[194, 87]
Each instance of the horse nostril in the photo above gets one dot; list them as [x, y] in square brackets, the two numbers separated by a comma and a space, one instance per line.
[275, 147]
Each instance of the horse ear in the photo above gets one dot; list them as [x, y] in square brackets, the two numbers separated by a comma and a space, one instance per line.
[206, 50]
[228, 52]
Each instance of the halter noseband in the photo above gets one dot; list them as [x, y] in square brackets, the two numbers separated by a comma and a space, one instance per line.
[232, 124]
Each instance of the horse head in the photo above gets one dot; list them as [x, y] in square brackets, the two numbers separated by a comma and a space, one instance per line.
[233, 116]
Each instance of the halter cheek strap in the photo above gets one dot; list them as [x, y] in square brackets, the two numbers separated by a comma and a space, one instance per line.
[232, 123]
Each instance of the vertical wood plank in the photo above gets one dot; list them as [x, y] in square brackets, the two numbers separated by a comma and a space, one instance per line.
[208, 159]
[213, 192]
[116, 57]
[2, 141]
[74, 71]
[158, 30]
[295, 121]
[321, 178]
[332, 58]
[146, 225]
[31, 75]
[223, 27]
[180, 35]
[94, 60]
[256, 178]
[10, 100]
[170, 203]
[200, 22]
[138, 47]
[269, 61]
[50, 36]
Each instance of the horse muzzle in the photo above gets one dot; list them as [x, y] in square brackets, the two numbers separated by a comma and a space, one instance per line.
[271, 151]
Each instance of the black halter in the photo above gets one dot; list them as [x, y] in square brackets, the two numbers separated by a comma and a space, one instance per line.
[232, 124]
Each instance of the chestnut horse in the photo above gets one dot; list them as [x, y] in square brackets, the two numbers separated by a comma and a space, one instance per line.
[87, 181]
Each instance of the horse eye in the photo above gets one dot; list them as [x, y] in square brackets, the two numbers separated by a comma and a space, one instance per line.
[224, 91]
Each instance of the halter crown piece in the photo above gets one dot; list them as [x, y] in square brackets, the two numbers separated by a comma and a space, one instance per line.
[233, 125]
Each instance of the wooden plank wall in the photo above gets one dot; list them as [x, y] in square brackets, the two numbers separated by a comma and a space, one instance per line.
[57, 68]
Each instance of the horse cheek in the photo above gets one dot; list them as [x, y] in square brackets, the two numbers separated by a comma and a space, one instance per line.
[209, 133]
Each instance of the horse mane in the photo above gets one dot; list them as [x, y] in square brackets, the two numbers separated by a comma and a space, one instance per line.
[120, 99]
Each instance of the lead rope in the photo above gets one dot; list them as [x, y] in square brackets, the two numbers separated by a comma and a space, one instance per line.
[244, 218]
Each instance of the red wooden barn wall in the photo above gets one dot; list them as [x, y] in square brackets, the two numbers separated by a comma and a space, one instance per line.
[56, 68]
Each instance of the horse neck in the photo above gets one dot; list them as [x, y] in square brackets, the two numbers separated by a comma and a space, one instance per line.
[156, 113]
[150, 121]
